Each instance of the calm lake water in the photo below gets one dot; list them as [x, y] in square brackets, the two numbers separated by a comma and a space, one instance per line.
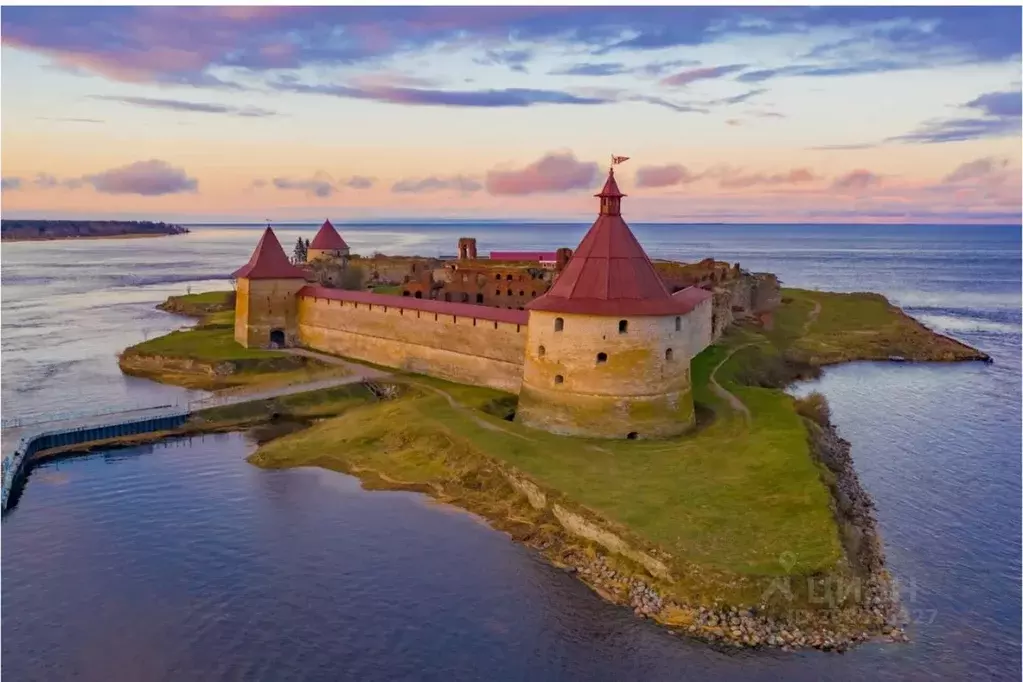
[180, 561]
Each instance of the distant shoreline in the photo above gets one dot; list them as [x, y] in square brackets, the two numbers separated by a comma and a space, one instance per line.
[76, 237]
[55, 230]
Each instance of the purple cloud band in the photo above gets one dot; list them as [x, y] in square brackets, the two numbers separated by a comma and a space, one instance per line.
[185, 45]
[145, 178]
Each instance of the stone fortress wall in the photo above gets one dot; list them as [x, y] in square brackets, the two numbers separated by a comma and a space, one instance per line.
[640, 378]
[468, 344]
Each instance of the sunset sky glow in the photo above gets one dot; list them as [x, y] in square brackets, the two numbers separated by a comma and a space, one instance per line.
[870, 114]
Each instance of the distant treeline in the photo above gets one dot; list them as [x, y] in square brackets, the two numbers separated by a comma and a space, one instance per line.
[13, 230]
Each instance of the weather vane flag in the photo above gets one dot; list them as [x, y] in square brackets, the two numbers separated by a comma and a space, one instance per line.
[615, 160]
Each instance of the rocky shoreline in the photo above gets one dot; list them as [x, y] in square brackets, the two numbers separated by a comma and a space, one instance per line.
[876, 615]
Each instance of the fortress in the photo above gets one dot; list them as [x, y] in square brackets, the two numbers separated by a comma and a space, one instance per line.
[596, 342]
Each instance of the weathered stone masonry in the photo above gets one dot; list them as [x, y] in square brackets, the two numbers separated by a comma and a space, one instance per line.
[474, 348]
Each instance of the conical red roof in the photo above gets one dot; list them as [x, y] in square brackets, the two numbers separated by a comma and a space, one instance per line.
[327, 239]
[268, 261]
[610, 274]
[610, 187]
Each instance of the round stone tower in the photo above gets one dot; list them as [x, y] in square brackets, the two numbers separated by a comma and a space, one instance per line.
[607, 346]
[266, 297]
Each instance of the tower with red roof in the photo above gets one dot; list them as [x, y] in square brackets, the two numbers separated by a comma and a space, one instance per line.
[266, 296]
[608, 348]
[328, 244]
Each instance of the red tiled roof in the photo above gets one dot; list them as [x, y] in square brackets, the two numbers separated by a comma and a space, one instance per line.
[327, 239]
[523, 255]
[268, 261]
[610, 274]
[480, 312]
[693, 295]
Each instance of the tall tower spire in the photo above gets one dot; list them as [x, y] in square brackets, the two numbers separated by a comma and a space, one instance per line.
[610, 196]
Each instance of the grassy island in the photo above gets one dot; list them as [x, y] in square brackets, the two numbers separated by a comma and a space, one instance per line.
[752, 530]
[207, 356]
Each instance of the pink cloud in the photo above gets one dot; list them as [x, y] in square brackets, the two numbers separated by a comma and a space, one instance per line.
[988, 168]
[733, 178]
[146, 178]
[690, 75]
[664, 176]
[857, 180]
[558, 172]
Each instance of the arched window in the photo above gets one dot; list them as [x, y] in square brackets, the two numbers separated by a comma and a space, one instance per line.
[497, 276]
[522, 293]
[669, 355]
[559, 324]
[678, 324]
[601, 358]
[533, 294]
[623, 326]
[558, 379]
[508, 277]
[497, 292]
[419, 294]
[510, 293]
[405, 293]
[541, 351]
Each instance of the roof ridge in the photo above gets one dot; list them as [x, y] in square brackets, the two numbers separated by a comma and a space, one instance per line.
[268, 261]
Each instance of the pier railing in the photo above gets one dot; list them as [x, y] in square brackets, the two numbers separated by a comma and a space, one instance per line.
[20, 422]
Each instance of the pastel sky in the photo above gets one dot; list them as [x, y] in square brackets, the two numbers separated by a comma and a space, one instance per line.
[870, 114]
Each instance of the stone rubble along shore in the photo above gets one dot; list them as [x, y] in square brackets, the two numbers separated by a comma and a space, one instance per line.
[878, 615]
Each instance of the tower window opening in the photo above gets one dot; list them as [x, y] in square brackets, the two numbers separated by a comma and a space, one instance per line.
[497, 292]
[541, 351]
[497, 276]
[510, 293]
[623, 326]
[508, 277]
[522, 293]
[558, 379]
[669, 355]
[559, 324]
[601, 358]
[678, 324]
[632, 435]
[479, 298]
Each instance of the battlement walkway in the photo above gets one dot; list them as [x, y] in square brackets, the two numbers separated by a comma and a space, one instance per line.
[21, 439]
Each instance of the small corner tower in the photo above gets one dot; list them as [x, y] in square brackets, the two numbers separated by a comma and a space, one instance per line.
[266, 299]
[607, 350]
[328, 244]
